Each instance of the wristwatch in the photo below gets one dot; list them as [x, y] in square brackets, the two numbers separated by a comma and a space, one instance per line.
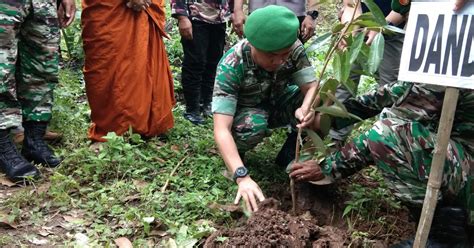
[240, 172]
[313, 13]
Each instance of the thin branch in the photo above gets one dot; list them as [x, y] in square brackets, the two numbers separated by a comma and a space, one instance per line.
[163, 189]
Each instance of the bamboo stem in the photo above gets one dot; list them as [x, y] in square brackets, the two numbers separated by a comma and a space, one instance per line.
[436, 174]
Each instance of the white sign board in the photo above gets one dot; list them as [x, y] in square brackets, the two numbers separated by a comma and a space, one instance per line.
[439, 45]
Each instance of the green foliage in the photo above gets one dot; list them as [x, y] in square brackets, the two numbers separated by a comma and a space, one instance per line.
[72, 41]
[366, 205]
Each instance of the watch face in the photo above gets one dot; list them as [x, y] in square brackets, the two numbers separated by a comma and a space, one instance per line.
[241, 171]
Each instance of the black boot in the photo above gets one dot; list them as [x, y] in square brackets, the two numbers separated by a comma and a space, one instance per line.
[206, 110]
[34, 147]
[194, 117]
[449, 229]
[287, 151]
[11, 162]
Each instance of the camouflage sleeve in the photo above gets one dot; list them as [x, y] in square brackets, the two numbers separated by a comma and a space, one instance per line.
[229, 76]
[178, 7]
[349, 159]
[305, 72]
[372, 103]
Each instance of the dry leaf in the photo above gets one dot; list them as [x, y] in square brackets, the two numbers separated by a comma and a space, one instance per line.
[159, 233]
[139, 184]
[44, 233]
[123, 243]
[43, 188]
[39, 241]
[227, 208]
[175, 148]
[5, 223]
[5, 182]
[73, 220]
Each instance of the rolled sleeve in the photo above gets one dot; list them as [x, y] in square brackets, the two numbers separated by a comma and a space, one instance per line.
[224, 105]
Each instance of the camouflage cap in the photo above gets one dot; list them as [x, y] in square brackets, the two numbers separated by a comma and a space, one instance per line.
[272, 28]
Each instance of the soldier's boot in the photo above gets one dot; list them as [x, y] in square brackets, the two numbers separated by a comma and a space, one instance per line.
[288, 150]
[449, 229]
[35, 148]
[11, 162]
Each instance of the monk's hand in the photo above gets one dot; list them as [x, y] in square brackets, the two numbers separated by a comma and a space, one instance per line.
[250, 192]
[138, 5]
[305, 116]
[66, 12]
[185, 28]
[307, 28]
[306, 171]
[238, 20]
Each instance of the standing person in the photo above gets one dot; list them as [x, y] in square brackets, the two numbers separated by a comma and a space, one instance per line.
[202, 26]
[29, 65]
[306, 11]
[127, 73]
[262, 83]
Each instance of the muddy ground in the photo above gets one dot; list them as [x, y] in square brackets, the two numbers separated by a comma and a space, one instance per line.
[317, 223]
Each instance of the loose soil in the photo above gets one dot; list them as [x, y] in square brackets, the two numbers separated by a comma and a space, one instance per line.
[317, 223]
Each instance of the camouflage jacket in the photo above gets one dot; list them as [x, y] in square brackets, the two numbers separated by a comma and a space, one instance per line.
[241, 83]
[406, 102]
[210, 11]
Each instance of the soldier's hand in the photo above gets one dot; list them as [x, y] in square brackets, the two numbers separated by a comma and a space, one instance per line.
[66, 12]
[306, 117]
[370, 36]
[307, 28]
[138, 5]
[238, 20]
[185, 28]
[306, 171]
[250, 192]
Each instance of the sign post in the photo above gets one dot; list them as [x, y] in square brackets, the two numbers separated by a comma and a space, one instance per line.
[438, 49]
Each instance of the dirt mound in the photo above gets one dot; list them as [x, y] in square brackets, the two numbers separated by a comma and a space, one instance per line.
[271, 227]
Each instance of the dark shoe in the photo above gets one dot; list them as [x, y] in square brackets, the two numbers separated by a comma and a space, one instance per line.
[449, 229]
[194, 118]
[287, 151]
[206, 110]
[35, 148]
[12, 163]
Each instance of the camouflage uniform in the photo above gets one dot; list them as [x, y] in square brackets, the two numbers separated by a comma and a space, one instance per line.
[259, 100]
[29, 41]
[401, 143]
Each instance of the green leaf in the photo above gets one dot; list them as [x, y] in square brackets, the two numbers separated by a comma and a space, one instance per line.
[317, 141]
[328, 85]
[356, 46]
[341, 66]
[338, 28]
[376, 53]
[375, 10]
[393, 29]
[367, 23]
[318, 42]
[350, 86]
[336, 101]
[333, 110]
[347, 210]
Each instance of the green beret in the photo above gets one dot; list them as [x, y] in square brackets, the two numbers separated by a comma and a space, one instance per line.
[271, 28]
[401, 6]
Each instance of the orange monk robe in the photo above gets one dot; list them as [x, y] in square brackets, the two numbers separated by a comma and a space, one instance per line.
[127, 73]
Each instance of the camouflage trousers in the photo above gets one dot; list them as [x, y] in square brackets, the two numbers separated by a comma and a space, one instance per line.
[29, 43]
[403, 152]
[251, 125]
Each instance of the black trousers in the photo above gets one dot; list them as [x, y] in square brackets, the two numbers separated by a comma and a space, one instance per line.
[201, 56]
